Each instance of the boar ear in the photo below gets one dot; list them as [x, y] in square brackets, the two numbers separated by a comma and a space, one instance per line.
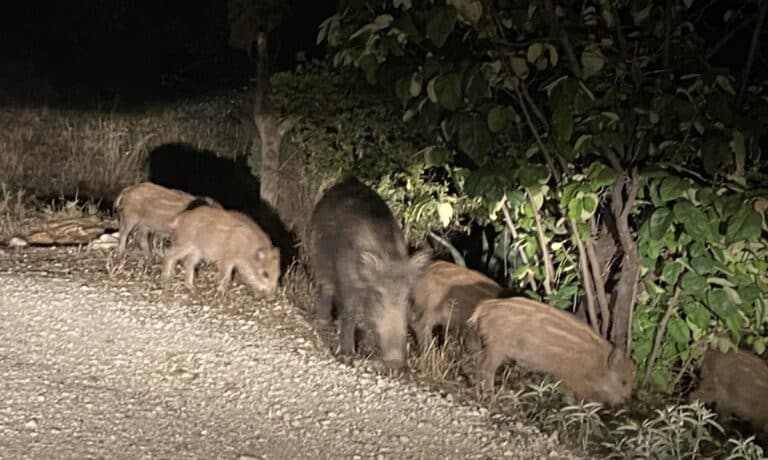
[262, 253]
[419, 262]
[370, 265]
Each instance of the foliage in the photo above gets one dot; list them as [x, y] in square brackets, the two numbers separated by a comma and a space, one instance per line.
[587, 119]
[349, 129]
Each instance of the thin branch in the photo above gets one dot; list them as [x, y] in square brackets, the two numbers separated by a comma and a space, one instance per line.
[535, 108]
[535, 132]
[586, 277]
[549, 270]
[752, 52]
[513, 232]
[597, 277]
[561, 36]
[671, 309]
[726, 37]
[667, 38]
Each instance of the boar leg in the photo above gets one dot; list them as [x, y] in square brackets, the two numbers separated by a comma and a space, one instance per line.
[423, 329]
[172, 257]
[126, 227]
[347, 334]
[324, 303]
[142, 234]
[190, 262]
[486, 367]
[226, 275]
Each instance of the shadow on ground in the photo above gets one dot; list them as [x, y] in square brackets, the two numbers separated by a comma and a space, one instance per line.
[228, 181]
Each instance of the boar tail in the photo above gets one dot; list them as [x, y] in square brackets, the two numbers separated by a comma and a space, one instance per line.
[118, 200]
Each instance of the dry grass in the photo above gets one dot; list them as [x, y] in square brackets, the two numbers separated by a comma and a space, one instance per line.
[55, 152]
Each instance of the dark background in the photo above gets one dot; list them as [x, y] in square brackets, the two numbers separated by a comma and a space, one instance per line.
[90, 50]
[71, 53]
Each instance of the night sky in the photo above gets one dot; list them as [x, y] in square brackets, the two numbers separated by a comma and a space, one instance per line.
[90, 50]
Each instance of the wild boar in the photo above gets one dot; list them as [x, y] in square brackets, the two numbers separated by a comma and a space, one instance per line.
[542, 338]
[230, 239]
[360, 259]
[446, 295]
[737, 382]
[149, 208]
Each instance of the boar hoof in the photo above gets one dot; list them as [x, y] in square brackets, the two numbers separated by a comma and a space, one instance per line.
[394, 364]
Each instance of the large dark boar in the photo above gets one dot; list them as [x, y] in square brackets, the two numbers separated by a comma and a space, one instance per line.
[737, 382]
[360, 259]
[230, 239]
[542, 338]
[149, 208]
[446, 295]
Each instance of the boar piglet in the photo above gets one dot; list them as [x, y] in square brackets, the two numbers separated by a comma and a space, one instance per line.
[150, 208]
[360, 259]
[230, 239]
[446, 295]
[542, 338]
[737, 382]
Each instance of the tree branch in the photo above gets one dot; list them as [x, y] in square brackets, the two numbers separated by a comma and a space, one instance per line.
[586, 278]
[671, 309]
[597, 278]
[549, 270]
[752, 52]
[523, 255]
[561, 36]
[667, 38]
[535, 132]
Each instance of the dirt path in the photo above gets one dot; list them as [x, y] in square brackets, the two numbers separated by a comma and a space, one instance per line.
[91, 372]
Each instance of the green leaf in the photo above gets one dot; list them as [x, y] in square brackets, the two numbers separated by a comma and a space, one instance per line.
[660, 221]
[588, 205]
[694, 285]
[469, 10]
[476, 87]
[671, 188]
[436, 156]
[534, 52]
[678, 331]
[694, 221]
[448, 91]
[600, 175]
[718, 302]
[402, 92]
[490, 182]
[592, 61]
[697, 314]
[474, 137]
[706, 196]
[499, 118]
[532, 175]
[563, 122]
[519, 66]
[370, 67]
[671, 272]
[440, 24]
[704, 265]
[745, 225]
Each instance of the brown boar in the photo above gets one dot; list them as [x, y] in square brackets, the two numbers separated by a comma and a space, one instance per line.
[446, 295]
[149, 208]
[542, 338]
[360, 258]
[737, 383]
[228, 238]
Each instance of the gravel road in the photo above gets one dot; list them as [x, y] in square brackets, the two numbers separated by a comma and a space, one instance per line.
[92, 372]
